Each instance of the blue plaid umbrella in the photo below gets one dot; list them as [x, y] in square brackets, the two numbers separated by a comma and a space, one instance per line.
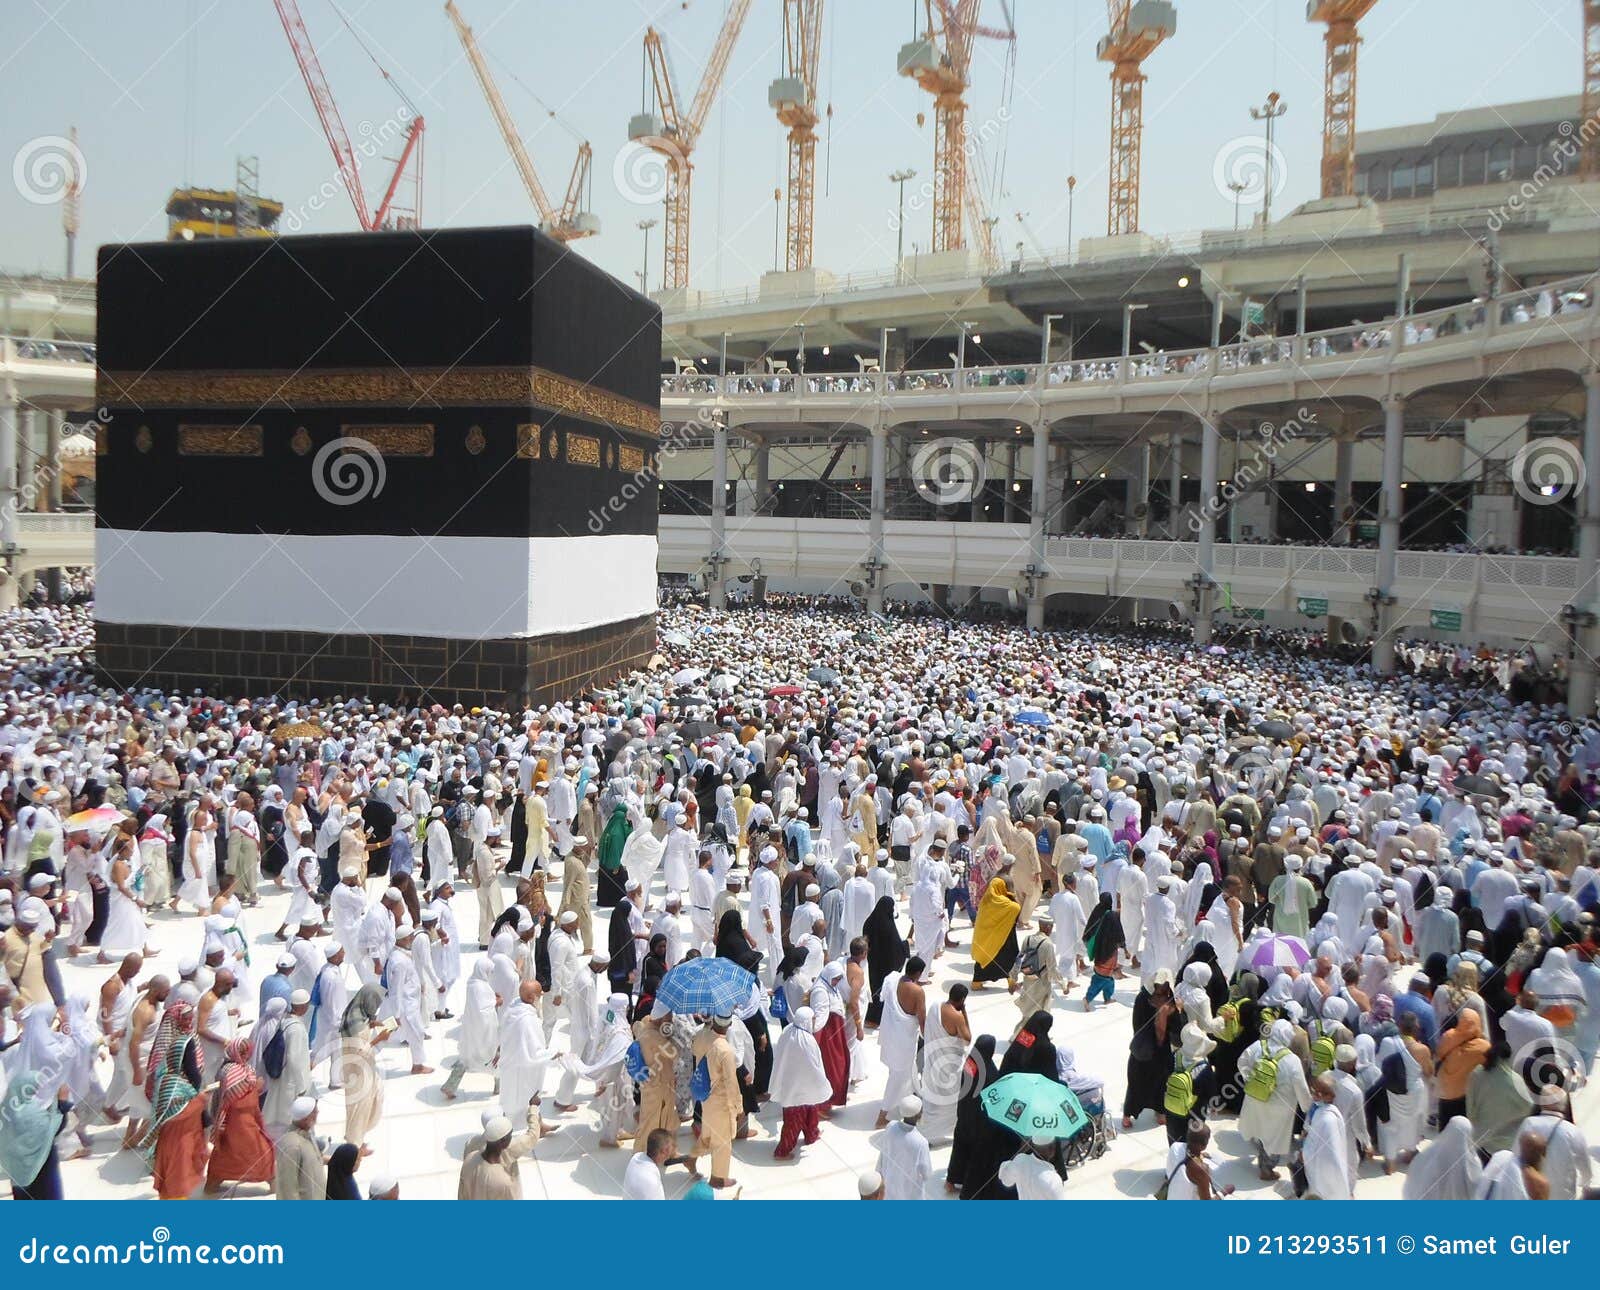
[705, 986]
[1031, 717]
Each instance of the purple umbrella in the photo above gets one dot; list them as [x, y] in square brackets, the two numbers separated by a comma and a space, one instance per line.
[1278, 952]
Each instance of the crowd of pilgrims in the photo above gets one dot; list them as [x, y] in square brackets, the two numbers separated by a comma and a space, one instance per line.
[1355, 919]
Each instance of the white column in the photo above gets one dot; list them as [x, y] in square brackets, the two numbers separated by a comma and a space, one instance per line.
[1142, 495]
[763, 473]
[1394, 422]
[880, 491]
[1174, 486]
[1581, 668]
[1344, 472]
[1037, 509]
[8, 473]
[715, 587]
[975, 513]
[1205, 555]
[1009, 512]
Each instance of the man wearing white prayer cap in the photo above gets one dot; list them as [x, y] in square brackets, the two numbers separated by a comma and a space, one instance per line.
[300, 1173]
[766, 913]
[869, 1185]
[903, 1156]
[492, 1172]
[384, 1187]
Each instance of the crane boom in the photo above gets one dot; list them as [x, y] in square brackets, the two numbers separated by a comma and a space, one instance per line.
[502, 114]
[1135, 29]
[344, 157]
[794, 95]
[1341, 44]
[677, 136]
[940, 61]
[1589, 161]
[567, 224]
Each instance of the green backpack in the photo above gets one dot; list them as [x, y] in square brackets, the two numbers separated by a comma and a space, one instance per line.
[1179, 1098]
[1323, 1054]
[1264, 1078]
[1232, 1028]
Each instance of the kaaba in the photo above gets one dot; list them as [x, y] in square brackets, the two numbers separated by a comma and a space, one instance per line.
[412, 465]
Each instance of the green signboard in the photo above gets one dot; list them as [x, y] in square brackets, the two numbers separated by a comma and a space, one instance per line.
[1254, 615]
[1367, 530]
[1313, 606]
[1445, 620]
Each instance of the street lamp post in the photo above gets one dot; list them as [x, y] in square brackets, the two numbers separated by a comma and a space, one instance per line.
[1072, 184]
[1236, 187]
[899, 177]
[1269, 112]
[644, 226]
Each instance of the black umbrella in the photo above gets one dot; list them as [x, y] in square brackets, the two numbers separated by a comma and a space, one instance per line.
[822, 675]
[690, 730]
[1274, 729]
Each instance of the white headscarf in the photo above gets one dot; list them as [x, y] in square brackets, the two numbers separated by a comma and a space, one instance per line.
[1448, 1167]
[1555, 982]
[798, 1076]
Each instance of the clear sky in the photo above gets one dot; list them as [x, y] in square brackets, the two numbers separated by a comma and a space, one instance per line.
[164, 92]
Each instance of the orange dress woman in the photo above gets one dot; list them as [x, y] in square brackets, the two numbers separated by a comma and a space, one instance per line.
[240, 1148]
[174, 1144]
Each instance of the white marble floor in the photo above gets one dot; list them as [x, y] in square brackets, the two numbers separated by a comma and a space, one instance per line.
[420, 1137]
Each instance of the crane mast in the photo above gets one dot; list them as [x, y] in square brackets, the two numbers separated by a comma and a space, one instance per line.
[794, 96]
[1341, 44]
[1135, 31]
[673, 136]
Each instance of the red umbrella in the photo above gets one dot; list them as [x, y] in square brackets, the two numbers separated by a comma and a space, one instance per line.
[784, 691]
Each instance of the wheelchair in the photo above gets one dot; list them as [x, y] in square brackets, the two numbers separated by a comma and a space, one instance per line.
[1093, 1140]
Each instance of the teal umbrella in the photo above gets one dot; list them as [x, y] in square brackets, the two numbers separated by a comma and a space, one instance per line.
[1034, 1106]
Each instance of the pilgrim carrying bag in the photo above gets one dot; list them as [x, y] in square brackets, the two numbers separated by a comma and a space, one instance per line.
[1263, 1078]
[638, 1069]
[700, 1081]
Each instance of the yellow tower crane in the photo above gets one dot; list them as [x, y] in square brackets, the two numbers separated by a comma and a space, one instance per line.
[569, 222]
[1589, 160]
[1339, 90]
[940, 62]
[794, 96]
[1136, 28]
[673, 136]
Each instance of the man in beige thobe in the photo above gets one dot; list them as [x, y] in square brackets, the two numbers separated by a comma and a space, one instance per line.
[300, 1173]
[719, 1113]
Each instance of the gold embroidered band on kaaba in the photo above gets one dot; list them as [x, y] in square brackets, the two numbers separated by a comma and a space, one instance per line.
[414, 388]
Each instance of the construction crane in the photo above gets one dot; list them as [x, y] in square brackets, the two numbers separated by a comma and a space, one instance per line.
[674, 136]
[407, 166]
[69, 197]
[569, 222]
[1339, 90]
[1135, 31]
[1589, 161]
[940, 62]
[794, 96]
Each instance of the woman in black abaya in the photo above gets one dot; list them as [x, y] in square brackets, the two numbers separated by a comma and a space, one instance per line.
[887, 952]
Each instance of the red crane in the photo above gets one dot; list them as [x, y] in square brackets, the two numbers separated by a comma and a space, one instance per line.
[407, 167]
